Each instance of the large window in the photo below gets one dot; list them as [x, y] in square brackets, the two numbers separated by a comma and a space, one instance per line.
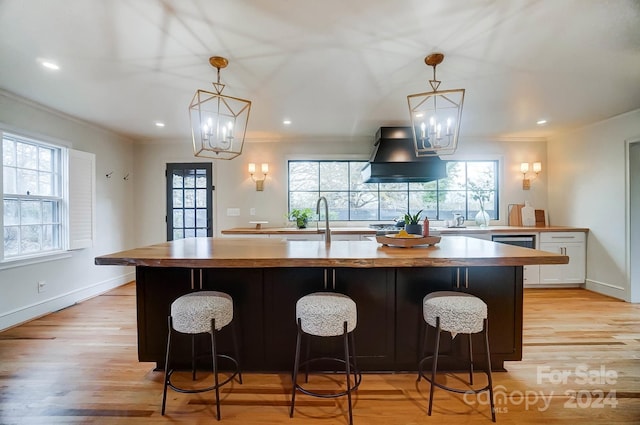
[32, 197]
[469, 184]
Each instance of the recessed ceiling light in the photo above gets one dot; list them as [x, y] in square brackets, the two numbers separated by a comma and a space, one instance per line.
[159, 124]
[49, 64]
[286, 122]
[541, 122]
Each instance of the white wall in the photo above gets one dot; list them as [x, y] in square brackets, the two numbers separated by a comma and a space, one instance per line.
[587, 189]
[235, 189]
[76, 277]
[633, 219]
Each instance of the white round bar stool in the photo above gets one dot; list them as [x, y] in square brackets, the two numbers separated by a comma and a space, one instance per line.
[197, 313]
[327, 314]
[458, 313]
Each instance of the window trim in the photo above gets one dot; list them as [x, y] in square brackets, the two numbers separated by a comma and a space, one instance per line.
[66, 152]
[498, 159]
[35, 259]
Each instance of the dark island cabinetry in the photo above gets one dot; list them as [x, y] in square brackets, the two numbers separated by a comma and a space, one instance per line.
[389, 300]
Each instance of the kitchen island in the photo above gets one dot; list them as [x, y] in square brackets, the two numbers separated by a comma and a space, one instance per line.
[266, 277]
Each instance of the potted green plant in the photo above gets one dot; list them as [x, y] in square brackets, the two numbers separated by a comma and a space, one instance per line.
[301, 216]
[412, 223]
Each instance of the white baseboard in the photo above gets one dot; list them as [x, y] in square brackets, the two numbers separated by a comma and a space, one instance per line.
[39, 309]
[552, 285]
[608, 289]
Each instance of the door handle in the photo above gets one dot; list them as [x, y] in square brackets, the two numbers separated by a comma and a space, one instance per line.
[333, 278]
[466, 278]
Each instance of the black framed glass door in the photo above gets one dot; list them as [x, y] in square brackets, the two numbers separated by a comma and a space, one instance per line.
[189, 200]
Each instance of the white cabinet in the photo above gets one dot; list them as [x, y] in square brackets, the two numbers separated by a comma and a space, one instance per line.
[531, 275]
[571, 244]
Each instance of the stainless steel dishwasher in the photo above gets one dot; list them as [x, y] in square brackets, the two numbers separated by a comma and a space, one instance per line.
[526, 241]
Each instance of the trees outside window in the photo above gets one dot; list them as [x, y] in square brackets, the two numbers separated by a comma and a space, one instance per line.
[32, 197]
[350, 199]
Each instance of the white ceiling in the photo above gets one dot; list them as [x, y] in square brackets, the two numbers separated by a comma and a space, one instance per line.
[336, 68]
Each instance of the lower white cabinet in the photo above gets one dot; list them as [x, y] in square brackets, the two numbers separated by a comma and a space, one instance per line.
[571, 244]
[531, 274]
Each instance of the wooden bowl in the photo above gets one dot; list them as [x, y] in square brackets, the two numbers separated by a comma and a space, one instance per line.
[407, 242]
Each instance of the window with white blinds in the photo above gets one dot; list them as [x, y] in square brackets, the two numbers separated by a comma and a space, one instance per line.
[48, 198]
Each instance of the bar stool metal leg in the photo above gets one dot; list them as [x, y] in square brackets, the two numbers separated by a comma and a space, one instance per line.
[357, 377]
[234, 332]
[434, 366]
[306, 358]
[470, 360]
[166, 367]
[347, 371]
[296, 365]
[423, 354]
[489, 378]
[214, 356]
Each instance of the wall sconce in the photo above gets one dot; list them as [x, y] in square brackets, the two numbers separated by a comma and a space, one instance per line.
[259, 182]
[524, 169]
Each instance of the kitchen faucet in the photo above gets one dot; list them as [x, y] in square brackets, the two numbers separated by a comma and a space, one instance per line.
[327, 232]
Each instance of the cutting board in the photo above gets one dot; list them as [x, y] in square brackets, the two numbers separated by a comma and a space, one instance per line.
[528, 216]
[515, 214]
[541, 218]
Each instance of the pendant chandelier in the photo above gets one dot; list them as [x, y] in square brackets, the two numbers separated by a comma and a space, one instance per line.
[218, 122]
[435, 116]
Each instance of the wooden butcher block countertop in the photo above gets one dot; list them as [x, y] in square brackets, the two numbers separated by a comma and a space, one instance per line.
[451, 251]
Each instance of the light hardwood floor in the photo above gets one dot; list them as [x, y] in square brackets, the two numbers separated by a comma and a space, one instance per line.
[79, 366]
